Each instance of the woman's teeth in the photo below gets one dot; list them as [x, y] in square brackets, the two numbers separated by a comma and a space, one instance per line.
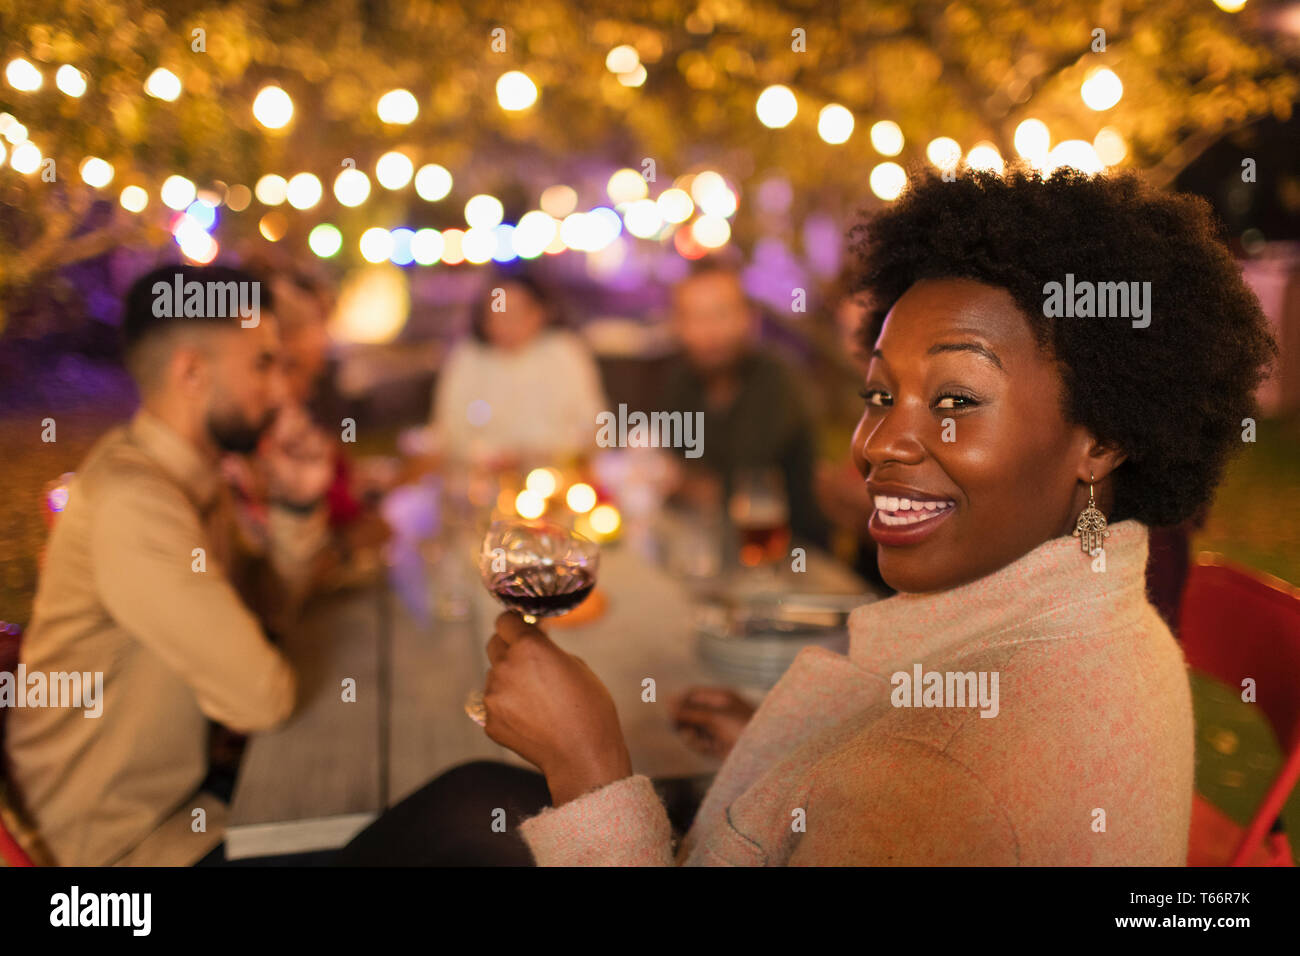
[900, 511]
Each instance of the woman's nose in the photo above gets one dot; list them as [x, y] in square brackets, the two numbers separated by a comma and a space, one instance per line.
[893, 434]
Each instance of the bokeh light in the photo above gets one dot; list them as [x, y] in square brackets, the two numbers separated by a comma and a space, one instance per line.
[484, 211]
[23, 75]
[777, 107]
[95, 172]
[134, 199]
[432, 182]
[325, 240]
[272, 107]
[351, 187]
[70, 81]
[1101, 90]
[398, 107]
[303, 191]
[376, 244]
[835, 124]
[177, 192]
[163, 84]
[580, 498]
[887, 138]
[888, 180]
[394, 170]
[516, 91]
[271, 190]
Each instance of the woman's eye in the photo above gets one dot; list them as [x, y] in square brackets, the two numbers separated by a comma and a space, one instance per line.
[955, 401]
[874, 396]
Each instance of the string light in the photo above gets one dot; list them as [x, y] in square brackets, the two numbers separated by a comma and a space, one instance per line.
[134, 199]
[1032, 141]
[985, 156]
[622, 59]
[675, 205]
[398, 107]
[325, 240]
[273, 107]
[776, 107]
[426, 246]
[95, 172]
[835, 124]
[23, 76]
[432, 182]
[887, 138]
[1101, 90]
[271, 190]
[70, 81]
[394, 170]
[516, 91]
[163, 84]
[177, 192]
[944, 152]
[484, 211]
[25, 158]
[888, 180]
[303, 191]
[376, 244]
[559, 200]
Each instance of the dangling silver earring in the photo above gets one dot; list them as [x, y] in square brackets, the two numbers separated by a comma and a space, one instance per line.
[1091, 526]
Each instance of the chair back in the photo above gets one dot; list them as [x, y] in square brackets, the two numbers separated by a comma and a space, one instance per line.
[1237, 623]
[11, 852]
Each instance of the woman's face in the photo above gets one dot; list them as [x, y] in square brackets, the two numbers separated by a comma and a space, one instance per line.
[963, 416]
[520, 321]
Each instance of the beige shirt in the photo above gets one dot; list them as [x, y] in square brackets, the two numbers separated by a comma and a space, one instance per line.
[120, 594]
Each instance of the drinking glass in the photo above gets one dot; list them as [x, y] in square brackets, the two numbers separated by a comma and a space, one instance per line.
[760, 514]
[538, 569]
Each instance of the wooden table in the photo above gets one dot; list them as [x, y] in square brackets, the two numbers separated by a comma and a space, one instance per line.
[414, 645]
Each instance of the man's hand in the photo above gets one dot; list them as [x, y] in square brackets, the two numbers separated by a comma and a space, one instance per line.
[547, 706]
[299, 459]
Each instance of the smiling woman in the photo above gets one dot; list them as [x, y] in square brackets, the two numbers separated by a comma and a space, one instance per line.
[991, 431]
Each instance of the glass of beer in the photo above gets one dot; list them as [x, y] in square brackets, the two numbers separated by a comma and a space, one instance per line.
[761, 515]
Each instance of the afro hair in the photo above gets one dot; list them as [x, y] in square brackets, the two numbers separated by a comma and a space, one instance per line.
[1171, 395]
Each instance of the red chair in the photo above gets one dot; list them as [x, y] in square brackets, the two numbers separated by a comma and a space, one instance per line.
[10, 851]
[1236, 623]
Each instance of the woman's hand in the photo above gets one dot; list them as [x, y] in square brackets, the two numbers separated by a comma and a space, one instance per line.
[547, 706]
[712, 719]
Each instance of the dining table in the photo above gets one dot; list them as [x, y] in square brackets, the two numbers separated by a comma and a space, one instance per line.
[384, 667]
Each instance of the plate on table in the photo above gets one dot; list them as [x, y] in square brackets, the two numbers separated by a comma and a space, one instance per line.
[753, 640]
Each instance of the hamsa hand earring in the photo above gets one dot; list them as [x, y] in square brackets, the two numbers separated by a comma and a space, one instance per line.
[1091, 526]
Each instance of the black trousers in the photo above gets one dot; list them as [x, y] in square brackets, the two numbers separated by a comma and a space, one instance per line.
[449, 821]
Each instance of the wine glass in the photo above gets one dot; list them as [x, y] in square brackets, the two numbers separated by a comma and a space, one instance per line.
[538, 569]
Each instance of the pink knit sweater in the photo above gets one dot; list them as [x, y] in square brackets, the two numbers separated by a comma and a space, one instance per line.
[1086, 759]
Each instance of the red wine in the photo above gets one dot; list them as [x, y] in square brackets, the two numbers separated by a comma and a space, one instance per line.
[543, 590]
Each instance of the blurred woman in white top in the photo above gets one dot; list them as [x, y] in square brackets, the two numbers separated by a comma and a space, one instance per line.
[521, 389]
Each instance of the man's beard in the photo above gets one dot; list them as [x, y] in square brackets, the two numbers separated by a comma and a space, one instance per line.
[232, 433]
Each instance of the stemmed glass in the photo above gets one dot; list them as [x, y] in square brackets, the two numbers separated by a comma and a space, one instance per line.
[538, 569]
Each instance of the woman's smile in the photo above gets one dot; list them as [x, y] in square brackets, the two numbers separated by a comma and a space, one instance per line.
[904, 516]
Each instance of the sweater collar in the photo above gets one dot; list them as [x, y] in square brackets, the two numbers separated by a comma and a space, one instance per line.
[1052, 588]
